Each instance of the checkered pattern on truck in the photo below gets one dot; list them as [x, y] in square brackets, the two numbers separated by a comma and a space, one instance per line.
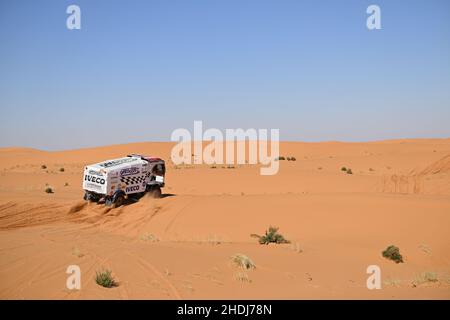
[135, 179]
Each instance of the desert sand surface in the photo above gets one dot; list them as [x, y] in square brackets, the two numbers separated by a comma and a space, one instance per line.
[179, 246]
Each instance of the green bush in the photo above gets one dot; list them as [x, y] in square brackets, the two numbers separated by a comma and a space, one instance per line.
[271, 236]
[349, 171]
[343, 169]
[393, 253]
[43, 166]
[61, 169]
[48, 190]
[105, 279]
[280, 158]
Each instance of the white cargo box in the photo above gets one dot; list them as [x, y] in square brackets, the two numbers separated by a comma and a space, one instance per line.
[129, 174]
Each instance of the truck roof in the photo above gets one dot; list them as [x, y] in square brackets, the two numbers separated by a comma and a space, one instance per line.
[119, 163]
[125, 162]
[144, 157]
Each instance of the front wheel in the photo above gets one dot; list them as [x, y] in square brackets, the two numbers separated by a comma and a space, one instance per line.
[155, 191]
[90, 197]
[120, 199]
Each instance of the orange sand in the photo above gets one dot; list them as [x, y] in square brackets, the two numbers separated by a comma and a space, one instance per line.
[399, 193]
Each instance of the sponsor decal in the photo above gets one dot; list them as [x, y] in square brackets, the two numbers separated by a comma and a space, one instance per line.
[131, 189]
[129, 171]
[94, 179]
[94, 173]
[93, 186]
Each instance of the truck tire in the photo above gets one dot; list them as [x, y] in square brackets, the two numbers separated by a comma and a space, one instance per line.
[90, 197]
[155, 192]
[118, 201]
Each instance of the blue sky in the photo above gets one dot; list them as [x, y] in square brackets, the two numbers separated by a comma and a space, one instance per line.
[137, 70]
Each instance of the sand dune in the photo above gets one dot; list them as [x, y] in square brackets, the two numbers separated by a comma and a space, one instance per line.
[180, 246]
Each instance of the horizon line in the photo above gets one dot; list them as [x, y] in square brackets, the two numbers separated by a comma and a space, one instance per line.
[209, 141]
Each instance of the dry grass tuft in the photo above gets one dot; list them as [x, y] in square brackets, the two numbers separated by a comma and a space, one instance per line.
[242, 261]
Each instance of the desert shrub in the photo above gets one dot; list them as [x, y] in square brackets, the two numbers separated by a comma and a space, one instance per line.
[349, 171]
[430, 276]
[280, 158]
[271, 236]
[393, 253]
[425, 248]
[242, 261]
[343, 169]
[61, 169]
[48, 190]
[392, 282]
[77, 252]
[66, 184]
[105, 279]
[293, 159]
[43, 166]
[425, 277]
[242, 277]
[288, 158]
[212, 240]
[149, 237]
[296, 247]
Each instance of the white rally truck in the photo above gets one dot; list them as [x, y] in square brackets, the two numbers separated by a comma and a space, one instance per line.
[114, 181]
